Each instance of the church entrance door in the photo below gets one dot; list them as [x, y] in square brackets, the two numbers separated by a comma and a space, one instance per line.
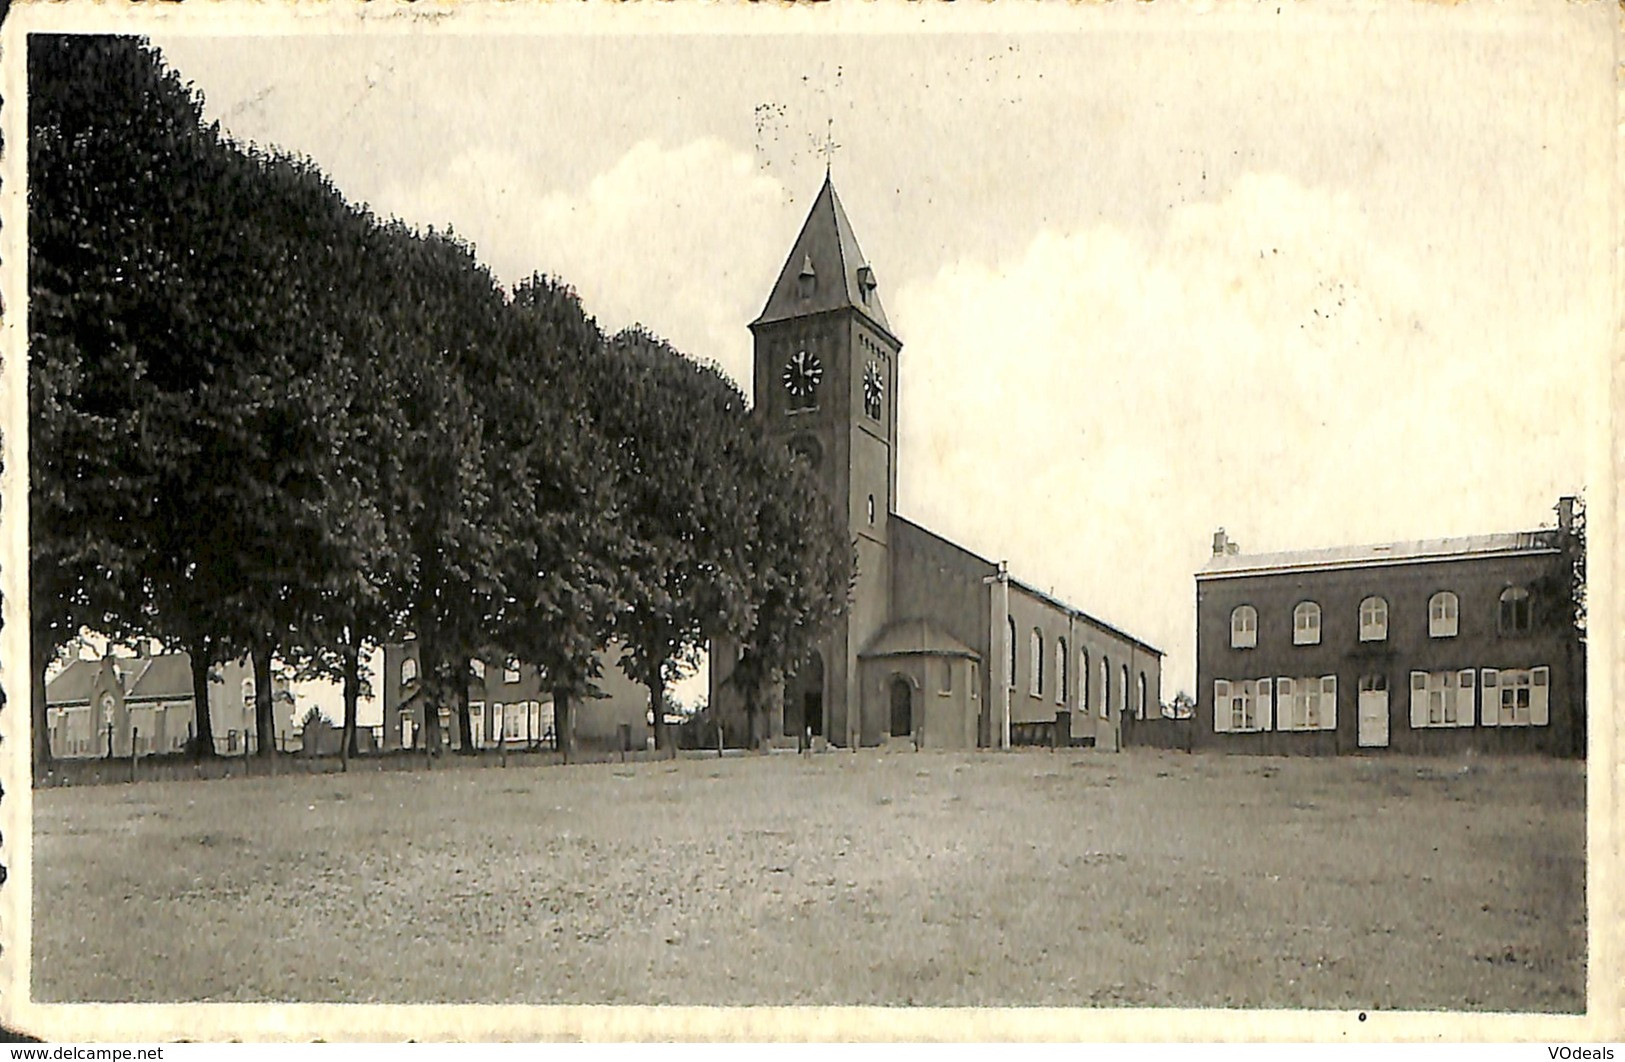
[902, 713]
[804, 699]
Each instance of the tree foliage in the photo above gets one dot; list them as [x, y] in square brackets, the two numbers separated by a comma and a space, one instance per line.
[265, 422]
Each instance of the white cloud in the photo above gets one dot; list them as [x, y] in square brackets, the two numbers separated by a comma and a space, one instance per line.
[669, 236]
[1093, 410]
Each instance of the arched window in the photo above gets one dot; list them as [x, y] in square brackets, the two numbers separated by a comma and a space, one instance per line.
[1514, 610]
[1139, 709]
[1443, 615]
[1010, 662]
[1243, 627]
[1035, 684]
[1083, 679]
[409, 670]
[1123, 707]
[1105, 688]
[1306, 624]
[1060, 671]
[1373, 620]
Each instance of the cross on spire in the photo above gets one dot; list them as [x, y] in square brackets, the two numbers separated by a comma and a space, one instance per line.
[829, 146]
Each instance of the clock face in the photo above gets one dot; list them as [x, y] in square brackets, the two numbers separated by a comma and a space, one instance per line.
[802, 373]
[874, 390]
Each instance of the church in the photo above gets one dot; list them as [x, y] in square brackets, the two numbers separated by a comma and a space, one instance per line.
[940, 648]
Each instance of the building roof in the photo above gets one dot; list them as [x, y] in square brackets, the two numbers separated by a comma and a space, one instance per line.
[1050, 599]
[74, 683]
[1079, 614]
[828, 250]
[1417, 551]
[164, 677]
[916, 637]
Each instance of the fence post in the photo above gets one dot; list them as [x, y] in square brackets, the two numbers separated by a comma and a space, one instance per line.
[135, 736]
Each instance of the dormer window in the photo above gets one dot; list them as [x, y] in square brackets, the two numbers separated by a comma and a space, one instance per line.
[866, 283]
[807, 281]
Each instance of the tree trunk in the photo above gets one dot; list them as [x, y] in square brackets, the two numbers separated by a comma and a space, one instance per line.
[203, 743]
[430, 687]
[352, 698]
[465, 725]
[41, 658]
[657, 707]
[564, 731]
[264, 717]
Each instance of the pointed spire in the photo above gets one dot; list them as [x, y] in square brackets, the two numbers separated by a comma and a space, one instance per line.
[826, 269]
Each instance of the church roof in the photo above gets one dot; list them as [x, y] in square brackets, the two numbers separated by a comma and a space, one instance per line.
[1415, 551]
[828, 252]
[916, 637]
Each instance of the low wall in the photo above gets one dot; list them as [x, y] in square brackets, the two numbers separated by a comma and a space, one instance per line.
[1176, 735]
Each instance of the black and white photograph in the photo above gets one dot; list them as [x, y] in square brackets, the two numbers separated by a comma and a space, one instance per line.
[845, 521]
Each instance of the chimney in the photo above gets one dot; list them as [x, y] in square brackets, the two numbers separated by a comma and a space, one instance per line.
[1565, 514]
[1221, 543]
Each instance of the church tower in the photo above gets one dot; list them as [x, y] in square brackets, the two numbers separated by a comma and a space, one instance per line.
[826, 387]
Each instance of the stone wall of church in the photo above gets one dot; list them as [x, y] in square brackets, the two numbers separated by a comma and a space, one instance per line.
[934, 579]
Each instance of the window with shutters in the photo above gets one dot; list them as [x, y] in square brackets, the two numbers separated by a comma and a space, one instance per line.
[1035, 680]
[1443, 609]
[1306, 703]
[1517, 697]
[1441, 698]
[1373, 620]
[1241, 705]
[1243, 627]
[1306, 624]
[1514, 610]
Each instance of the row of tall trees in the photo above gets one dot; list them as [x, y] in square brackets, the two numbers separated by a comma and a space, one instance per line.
[264, 421]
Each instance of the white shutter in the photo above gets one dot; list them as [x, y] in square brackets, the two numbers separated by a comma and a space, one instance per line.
[1491, 699]
[1464, 697]
[1419, 699]
[1328, 703]
[1540, 696]
[1284, 693]
[1265, 714]
[1221, 707]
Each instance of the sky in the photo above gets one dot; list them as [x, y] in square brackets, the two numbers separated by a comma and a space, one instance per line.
[1322, 276]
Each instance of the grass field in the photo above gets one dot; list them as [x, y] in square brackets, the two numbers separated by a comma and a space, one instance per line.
[1067, 878]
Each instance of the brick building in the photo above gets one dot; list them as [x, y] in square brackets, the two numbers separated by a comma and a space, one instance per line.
[1435, 646]
[145, 703]
[940, 648]
[508, 703]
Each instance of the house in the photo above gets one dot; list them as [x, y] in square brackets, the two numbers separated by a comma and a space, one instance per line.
[114, 705]
[940, 648]
[1433, 646]
[510, 704]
